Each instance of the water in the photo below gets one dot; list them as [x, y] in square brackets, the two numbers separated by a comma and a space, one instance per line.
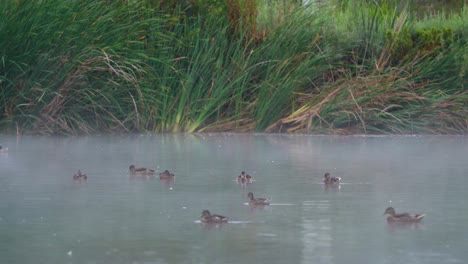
[46, 217]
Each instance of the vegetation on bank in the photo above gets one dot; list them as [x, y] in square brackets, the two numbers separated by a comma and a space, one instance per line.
[71, 67]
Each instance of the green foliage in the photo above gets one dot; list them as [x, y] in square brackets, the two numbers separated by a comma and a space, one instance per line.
[66, 64]
[422, 42]
[402, 42]
[70, 67]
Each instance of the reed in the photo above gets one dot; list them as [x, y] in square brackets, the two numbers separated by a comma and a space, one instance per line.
[72, 67]
[386, 89]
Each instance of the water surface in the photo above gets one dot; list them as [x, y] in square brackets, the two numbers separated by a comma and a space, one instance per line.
[46, 217]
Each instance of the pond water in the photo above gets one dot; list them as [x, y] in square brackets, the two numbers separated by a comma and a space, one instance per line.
[46, 217]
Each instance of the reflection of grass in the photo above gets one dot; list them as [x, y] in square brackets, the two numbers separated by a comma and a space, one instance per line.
[88, 66]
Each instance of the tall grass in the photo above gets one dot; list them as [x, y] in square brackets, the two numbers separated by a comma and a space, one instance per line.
[71, 67]
[201, 80]
[422, 92]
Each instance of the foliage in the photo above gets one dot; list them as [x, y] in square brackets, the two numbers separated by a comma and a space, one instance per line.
[71, 67]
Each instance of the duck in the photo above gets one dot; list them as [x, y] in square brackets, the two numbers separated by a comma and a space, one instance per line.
[80, 176]
[257, 201]
[207, 217]
[403, 217]
[244, 178]
[327, 179]
[2, 149]
[142, 171]
[166, 175]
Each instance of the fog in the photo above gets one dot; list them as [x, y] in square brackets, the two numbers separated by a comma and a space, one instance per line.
[113, 217]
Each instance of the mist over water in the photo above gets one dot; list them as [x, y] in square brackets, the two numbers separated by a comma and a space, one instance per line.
[46, 217]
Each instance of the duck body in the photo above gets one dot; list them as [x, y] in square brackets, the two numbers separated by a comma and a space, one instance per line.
[244, 178]
[402, 217]
[327, 179]
[257, 201]
[207, 217]
[166, 175]
[79, 176]
[140, 171]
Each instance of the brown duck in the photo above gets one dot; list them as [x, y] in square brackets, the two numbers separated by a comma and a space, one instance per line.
[79, 176]
[327, 179]
[207, 217]
[402, 217]
[244, 178]
[166, 175]
[140, 171]
[257, 201]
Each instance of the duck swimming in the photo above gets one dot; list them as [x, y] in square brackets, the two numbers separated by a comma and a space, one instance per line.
[257, 201]
[403, 217]
[207, 217]
[244, 178]
[166, 175]
[141, 171]
[79, 176]
[327, 179]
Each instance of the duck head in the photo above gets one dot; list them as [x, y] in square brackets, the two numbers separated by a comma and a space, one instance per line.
[389, 211]
[205, 213]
